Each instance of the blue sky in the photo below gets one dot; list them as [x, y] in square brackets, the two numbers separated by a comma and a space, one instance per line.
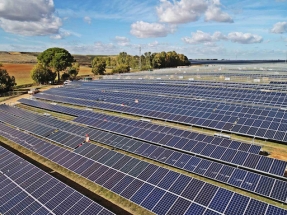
[235, 29]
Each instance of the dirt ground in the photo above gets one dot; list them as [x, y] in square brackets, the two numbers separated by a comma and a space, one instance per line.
[14, 100]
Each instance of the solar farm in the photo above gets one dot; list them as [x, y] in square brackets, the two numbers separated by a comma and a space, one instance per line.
[169, 142]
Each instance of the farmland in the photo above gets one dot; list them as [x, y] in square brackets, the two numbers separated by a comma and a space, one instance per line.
[22, 72]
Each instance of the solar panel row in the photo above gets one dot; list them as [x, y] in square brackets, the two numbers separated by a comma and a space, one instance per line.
[232, 73]
[207, 91]
[148, 89]
[197, 197]
[25, 189]
[181, 103]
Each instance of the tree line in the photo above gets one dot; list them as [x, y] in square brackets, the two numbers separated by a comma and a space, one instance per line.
[53, 61]
[123, 62]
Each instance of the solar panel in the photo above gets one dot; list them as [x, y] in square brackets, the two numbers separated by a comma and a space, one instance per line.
[25, 187]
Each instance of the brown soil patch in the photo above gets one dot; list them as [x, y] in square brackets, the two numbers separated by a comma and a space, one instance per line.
[21, 72]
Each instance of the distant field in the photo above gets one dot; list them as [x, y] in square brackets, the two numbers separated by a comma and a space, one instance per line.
[22, 72]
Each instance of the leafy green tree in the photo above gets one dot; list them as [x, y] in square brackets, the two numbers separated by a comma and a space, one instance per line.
[57, 59]
[42, 75]
[99, 66]
[6, 82]
[74, 70]
[123, 58]
[122, 68]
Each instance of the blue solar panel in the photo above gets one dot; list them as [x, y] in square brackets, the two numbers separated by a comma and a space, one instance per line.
[237, 177]
[279, 190]
[179, 185]
[192, 189]
[265, 185]
[153, 198]
[221, 200]
[142, 193]
[162, 207]
[237, 204]
[179, 207]
[195, 209]
[206, 194]
[250, 181]
[168, 180]
[256, 207]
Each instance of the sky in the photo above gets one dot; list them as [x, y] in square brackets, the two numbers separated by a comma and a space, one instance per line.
[217, 29]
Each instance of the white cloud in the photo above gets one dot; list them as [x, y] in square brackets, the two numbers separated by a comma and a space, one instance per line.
[153, 44]
[46, 26]
[29, 18]
[214, 13]
[122, 41]
[244, 38]
[32, 10]
[182, 11]
[279, 28]
[142, 29]
[105, 47]
[185, 11]
[88, 19]
[202, 37]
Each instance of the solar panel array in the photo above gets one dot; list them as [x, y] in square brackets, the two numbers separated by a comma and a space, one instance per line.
[157, 129]
[26, 189]
[217, 152]
[272, 86]
[157, 189]
[231, 156]
[256, 122]
[226, 174]
[219, 93]
[213, 74]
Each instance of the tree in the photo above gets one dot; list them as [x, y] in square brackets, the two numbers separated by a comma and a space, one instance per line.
[99, 66]
[123, 58]
[74, 71]
[122, 68]
[6, 82]
[57, 59]
[42, 75]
